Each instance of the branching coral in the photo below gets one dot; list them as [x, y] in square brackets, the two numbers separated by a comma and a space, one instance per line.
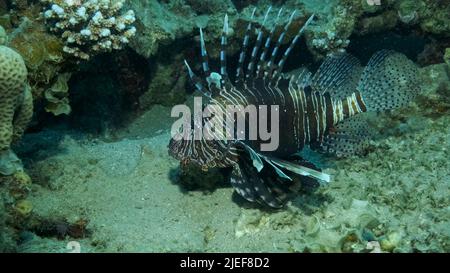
[90, 27]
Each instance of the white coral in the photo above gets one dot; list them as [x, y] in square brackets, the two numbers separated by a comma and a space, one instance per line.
[90, 27]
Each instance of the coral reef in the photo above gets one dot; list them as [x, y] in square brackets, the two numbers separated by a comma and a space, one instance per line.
[331, 35]
[41, 51]
[167, 32]
[165, 22]
[16, 106]
[358, 17]
[433, 16]
[161, 23]
[90, 27]
[385, 21]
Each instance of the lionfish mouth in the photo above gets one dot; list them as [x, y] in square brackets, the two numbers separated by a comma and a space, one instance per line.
[189, 151]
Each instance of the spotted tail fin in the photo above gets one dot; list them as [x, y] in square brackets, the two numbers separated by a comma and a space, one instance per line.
[390, 80]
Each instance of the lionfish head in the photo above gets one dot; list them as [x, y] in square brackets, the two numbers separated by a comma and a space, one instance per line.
[188, 147]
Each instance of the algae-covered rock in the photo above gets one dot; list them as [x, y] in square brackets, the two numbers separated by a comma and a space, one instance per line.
[447, 57]
[390, 241]
[435, 99]
[24, 208]
[17, 185]
[161, 23]
[385, 21]
[3, 36]
[408, 11]
[434, 17]
[7, 238]
[173, 89]
[57, 96]
[434, 78]
[331, 35]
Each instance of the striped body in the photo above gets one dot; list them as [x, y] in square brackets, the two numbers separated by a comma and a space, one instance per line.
[305, 116]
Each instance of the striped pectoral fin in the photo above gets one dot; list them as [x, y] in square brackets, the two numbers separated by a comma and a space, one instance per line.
[277, 182]
[253, 186]
[241, 184]
[297, 169]
[257, 179]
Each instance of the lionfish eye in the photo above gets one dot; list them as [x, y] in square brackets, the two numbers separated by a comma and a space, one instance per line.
[214, 79]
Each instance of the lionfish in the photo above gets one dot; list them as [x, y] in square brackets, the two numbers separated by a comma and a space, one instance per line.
[321, 110]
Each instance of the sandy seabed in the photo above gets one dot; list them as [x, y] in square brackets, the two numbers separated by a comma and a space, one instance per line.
[394, 199]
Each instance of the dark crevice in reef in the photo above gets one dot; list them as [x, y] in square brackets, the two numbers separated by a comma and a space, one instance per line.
[241, 4]
[104, 93]
[423, 48]
[363, 47]
[434, 51]
[300, 56]
[168, 73]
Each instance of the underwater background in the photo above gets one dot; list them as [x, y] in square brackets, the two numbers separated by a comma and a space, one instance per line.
[96, 168]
